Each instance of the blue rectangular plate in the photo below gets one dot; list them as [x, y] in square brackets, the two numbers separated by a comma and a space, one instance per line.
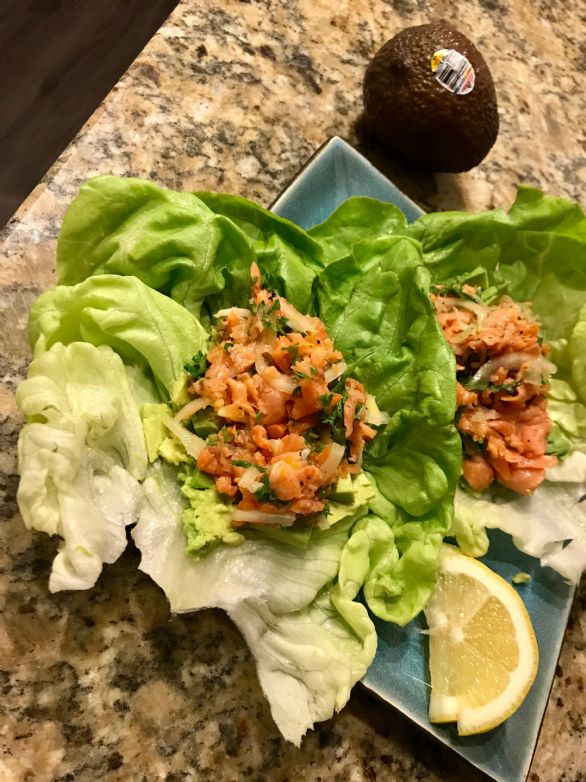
[399, 674]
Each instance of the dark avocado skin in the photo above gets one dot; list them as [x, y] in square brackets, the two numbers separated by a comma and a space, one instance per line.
[409, 112]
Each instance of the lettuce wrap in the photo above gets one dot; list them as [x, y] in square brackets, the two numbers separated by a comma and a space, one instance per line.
[141, 270]
[536, 253]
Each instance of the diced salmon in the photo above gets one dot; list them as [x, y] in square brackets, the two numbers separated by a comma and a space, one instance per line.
[225, 486]
[272, 405]
[478, 473]
[276, 430]
[284, 481]
[464, 397]
[308, 401]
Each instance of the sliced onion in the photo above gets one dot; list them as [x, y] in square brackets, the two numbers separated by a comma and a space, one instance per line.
[281, 382]
[538, 367]
[334, 372]
[479, 310]
[250, 480]
[275, 379]
[541, 370]
[233, 311]
[193, 444]
[267, 519]
[483, 414]
[375, 416]
[261, 364]
[191, 408]
[331, 464]
[463, 335]
[296, 320]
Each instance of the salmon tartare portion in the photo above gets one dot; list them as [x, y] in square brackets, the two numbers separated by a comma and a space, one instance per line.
[289, 421]
[503, 373]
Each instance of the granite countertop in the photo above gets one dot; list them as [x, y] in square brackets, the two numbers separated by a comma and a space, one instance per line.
[235, 96]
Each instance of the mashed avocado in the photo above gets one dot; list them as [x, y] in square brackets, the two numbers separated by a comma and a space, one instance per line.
[208, 520]
[158, 440]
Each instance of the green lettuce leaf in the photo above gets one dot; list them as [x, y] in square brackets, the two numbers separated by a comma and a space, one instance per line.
[171, 241]
[146, 328]
[141, 270]
[356, 220]
[375, 304]
[81, 455]
[295, 607]
[287, 257]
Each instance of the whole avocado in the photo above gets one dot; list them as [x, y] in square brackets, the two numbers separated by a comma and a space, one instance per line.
[410, 112]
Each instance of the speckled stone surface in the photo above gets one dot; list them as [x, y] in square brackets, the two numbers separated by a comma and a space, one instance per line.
[235, 96]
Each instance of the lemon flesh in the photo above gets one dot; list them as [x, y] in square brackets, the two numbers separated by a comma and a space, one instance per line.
[483, 653]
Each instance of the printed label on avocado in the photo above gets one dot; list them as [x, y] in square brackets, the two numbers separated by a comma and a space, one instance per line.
[453, 71]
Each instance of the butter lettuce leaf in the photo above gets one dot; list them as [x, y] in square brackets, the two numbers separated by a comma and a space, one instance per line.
[171, 241]
[356, 220]
[295, 606]
[148, 330]
[140, 271]
[375, 304]
[81, 455]
[288, 257]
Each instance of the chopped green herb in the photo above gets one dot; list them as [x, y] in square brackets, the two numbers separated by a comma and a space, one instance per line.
[326, 400]
[258, 417]
[296, 391]
[293, 351]
[242, 463]
[228, 346]
[282, 326]
[300, 375]
[197, 366]
[334, 415]
[509, 388]
[264, 493]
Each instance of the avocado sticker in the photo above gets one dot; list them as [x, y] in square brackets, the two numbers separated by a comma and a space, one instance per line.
[453, 71]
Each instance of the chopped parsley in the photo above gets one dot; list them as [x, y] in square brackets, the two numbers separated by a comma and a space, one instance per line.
[509, 388]
[264, 493]
[282, 326]
[198, 365]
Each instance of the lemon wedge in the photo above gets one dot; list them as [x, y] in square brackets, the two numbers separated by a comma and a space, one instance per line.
[483, 653]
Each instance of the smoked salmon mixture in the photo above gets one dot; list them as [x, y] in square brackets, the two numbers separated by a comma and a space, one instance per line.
[503, 375]
[290, 422]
